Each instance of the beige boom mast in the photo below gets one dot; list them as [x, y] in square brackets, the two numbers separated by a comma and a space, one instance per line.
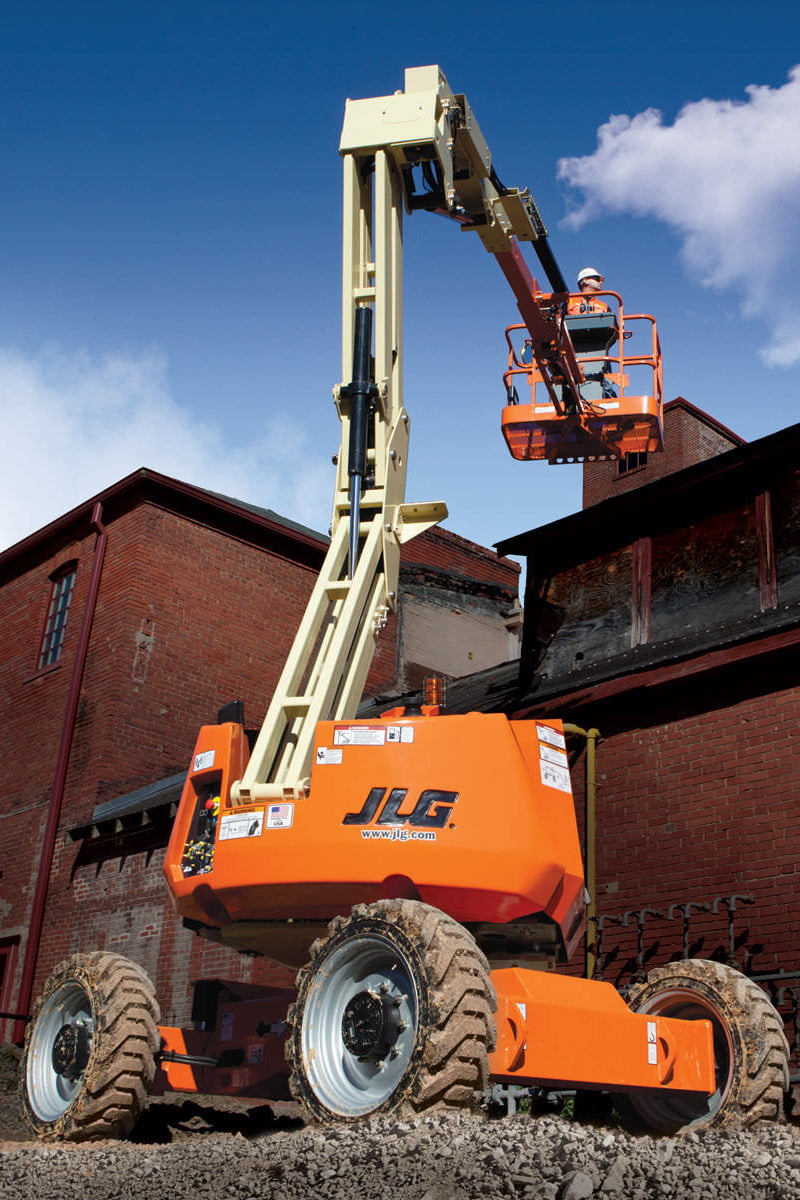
[384, 140]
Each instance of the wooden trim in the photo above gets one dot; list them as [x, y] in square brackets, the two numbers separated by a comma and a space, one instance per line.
[767, 574]
[641, 563]
[658, 676]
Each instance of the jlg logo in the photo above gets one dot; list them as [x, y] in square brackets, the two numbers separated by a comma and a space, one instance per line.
[431, 810]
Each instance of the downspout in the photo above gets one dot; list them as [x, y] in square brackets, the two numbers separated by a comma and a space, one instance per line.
[59, 781]
[590, 831]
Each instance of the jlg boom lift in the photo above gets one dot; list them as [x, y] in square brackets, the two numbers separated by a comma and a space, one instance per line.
[422, 871]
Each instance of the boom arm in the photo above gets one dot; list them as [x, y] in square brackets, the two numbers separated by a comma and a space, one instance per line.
[431, 132]
[386, 144]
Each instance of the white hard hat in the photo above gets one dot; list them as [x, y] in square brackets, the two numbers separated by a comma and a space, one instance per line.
[588, 272]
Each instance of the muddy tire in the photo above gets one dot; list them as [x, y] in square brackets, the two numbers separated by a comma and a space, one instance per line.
[750, 1050]
[89, 1057]
[393, 1014]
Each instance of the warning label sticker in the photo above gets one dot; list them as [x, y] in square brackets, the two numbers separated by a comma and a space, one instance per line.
[359, 735]
[551, 736]
[241, 825]
[399, 733]
[652, 1046]
[280, 816]
[555, 777]
[550, 754]
[328, 756]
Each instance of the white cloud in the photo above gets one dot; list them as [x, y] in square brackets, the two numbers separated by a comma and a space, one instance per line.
[725, 177]
[73, 425]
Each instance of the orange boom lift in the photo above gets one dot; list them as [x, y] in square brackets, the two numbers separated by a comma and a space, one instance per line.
[422, 872]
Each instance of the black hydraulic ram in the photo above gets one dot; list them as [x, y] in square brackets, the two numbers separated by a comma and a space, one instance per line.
[361, 393]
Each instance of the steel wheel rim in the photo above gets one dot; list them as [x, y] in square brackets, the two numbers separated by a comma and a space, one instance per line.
[50, 1093]
[688, 1005]
[347, 1083]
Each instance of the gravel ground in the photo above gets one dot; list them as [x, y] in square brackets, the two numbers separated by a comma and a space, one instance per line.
[235, 1153]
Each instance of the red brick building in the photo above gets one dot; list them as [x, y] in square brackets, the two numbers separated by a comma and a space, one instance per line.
[666, 615]
[129, 622]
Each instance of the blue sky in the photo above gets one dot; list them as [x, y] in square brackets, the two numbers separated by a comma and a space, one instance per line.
[169, 291]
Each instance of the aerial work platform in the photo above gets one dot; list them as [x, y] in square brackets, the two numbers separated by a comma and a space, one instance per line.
[620, 409]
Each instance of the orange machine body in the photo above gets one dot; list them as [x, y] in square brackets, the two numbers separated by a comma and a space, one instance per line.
[472, 814]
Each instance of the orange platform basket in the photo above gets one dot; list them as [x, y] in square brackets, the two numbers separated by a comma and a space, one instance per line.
[614, 419]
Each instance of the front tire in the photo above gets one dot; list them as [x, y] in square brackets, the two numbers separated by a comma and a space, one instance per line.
[750, 1049]
[90, 1047]
[393, 1014]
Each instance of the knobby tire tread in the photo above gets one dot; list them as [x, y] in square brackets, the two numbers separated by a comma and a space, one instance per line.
[759, 1075]
[449, 1067]
[121, 1065]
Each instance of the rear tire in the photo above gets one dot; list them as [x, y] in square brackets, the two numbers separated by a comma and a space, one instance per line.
[90, 1047]
[750, 1050]
[393, 1014]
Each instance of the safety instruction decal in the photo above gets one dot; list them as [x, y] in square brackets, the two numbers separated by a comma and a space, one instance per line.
[652, 1045]
[553, 763]
[327, 756]
[552, 736]
[399, 733]
[555, 777]
[551, 755]
[359, 735]
[280, 816]
[241, 825]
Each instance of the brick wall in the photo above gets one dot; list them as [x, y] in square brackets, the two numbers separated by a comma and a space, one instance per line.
[458, 557]
[701, 809]
[187, 618]
[31, 746]
[189, 615]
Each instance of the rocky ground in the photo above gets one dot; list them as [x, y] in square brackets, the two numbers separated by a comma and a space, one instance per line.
[200, 1149]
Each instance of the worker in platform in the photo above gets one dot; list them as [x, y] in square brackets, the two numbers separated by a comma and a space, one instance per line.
[590, 282]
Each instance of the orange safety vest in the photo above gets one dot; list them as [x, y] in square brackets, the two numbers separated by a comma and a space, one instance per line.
[586, 303]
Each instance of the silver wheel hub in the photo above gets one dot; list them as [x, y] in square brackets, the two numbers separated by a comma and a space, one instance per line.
[58, 1051]
[359, 1025]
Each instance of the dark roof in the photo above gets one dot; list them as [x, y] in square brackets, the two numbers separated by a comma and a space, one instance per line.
[495, 689]
[271, 516]
[129, 810]
[714, 485]
[247, 521]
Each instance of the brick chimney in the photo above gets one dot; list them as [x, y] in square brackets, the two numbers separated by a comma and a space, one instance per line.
[690, 436]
